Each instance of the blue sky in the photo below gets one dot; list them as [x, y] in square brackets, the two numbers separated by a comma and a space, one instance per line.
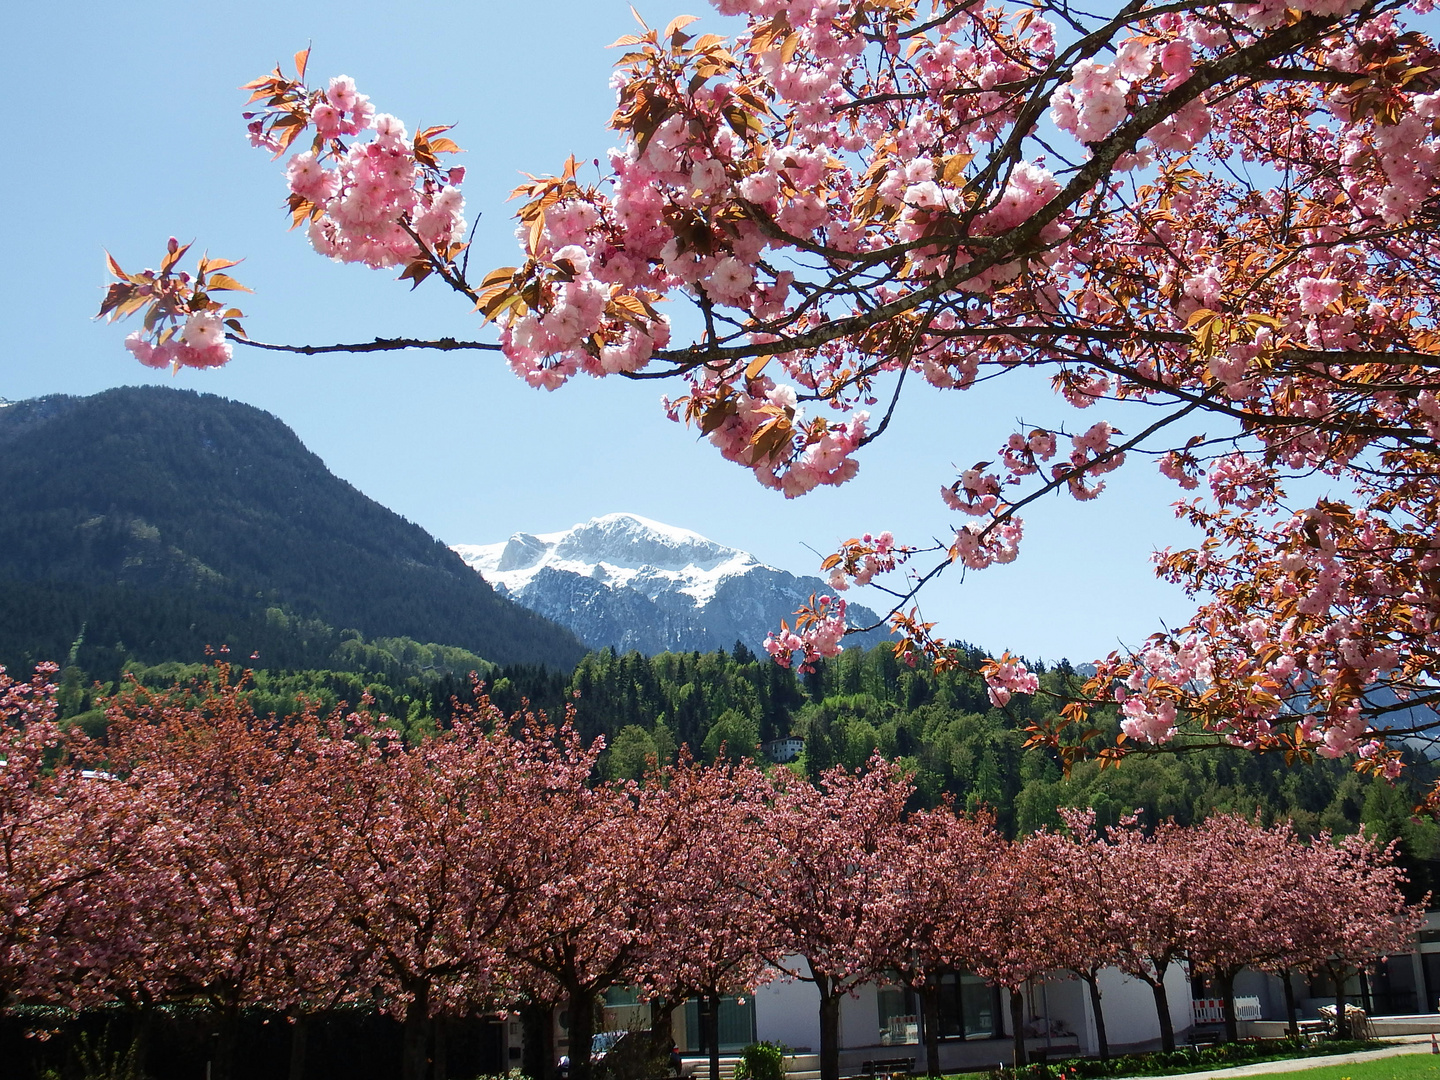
[132, 133]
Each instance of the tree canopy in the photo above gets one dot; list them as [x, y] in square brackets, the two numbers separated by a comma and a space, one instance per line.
[207, 856]
[1220, 213]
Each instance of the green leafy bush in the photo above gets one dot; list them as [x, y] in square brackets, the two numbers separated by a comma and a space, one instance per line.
[761, 1061]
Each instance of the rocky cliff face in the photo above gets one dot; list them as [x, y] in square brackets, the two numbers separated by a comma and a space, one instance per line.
[627, 582]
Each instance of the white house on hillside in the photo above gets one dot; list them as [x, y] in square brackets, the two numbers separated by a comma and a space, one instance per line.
[784, 750]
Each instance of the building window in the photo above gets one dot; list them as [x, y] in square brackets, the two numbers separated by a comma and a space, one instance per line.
[968, 1007]
[737, 1024]
[899, 1023]
[623, 1010]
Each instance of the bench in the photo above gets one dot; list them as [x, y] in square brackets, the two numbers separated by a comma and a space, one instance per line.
[885, 1066]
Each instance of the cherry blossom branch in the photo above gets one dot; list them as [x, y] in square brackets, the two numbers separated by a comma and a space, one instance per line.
[1357, 356]
[1061, 478]
[1004, 248]
[448, 272]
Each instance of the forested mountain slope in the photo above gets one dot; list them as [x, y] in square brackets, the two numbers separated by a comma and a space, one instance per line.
[943, 727]
[150, 522]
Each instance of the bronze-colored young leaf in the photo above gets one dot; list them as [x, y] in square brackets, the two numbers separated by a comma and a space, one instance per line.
[225, 282]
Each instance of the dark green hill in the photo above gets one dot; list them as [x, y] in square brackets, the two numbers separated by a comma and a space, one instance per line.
[150, 522]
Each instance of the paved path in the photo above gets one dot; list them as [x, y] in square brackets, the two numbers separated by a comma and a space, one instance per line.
[1405, 1044]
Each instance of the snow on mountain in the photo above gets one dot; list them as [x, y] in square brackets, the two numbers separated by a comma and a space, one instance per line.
[632, 583]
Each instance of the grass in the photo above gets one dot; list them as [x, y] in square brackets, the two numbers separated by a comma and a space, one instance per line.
[1187, 1059]
[1421, 1066]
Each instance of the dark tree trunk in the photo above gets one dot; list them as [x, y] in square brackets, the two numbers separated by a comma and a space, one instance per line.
[440, 1060]
[1342, 1022]
[702, 1018]
[1093, 981]
[930, 1023]
[144, 1030]
[1017, 1027]
[227, 1024]
[713, 1033]
[415, 1036]
[1162, 1013]
[829, 1034]
[582, 1028]
[299, 1036]
[538, 1055]
[662, 1038]
[1226, 983]
[1291, 1013]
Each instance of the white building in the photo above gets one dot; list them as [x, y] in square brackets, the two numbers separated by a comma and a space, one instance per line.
[881, 1021]
[784, 750]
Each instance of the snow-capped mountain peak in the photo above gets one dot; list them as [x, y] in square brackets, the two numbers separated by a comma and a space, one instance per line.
[617, 550]
[626, 581]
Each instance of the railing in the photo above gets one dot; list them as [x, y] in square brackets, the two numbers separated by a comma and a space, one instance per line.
[901, 1030]
[1212, 1010]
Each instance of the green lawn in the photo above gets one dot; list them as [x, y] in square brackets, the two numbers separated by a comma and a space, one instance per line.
[1402, 1067]
[1202, 1060]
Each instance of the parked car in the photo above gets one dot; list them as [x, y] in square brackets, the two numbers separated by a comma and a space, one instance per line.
[629, 1050]
[601, 1043]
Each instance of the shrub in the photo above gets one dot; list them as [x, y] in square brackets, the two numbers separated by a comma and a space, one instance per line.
[761, 1061]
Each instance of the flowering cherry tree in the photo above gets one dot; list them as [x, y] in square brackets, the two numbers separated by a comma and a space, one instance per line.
[1148, 873]
[221, 897]
[62, 839]
[427, 850]
[607, 864]
[1222, 212]
[1013, 946]
[1250, 889]
[941, 888]
[711, 936]
[1080, 924]
[827, 855]
[1356, 912]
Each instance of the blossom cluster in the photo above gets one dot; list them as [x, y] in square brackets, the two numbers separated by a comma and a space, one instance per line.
[817, 635]
[704, 192]
[1091, 454]
[1007, 676]
[185, 325]
[200, 343]
[374, 202]
[863, 559]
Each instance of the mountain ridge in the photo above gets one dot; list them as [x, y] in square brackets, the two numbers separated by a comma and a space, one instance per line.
[629, 582]
[111, 501]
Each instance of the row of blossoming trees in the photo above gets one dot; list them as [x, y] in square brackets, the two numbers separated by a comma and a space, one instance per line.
[206, 854]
